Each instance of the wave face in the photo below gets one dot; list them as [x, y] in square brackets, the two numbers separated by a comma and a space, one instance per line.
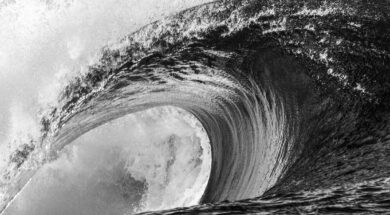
[293, 96]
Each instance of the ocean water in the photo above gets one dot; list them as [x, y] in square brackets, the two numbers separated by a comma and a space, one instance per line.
[229, 107]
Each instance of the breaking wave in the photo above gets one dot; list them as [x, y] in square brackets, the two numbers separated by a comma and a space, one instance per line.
[291, 120]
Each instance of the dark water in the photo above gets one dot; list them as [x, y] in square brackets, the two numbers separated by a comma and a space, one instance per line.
[293, 95]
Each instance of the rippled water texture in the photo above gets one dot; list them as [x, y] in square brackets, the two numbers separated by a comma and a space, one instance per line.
[294, 98]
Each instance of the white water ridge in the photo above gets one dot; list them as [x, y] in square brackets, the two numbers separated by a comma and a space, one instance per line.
[151, 160]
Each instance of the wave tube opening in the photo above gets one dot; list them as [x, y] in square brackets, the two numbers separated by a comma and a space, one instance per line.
[248, 124]
[155, 159]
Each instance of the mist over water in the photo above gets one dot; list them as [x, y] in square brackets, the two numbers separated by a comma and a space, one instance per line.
[155, 159]
[46, 43]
